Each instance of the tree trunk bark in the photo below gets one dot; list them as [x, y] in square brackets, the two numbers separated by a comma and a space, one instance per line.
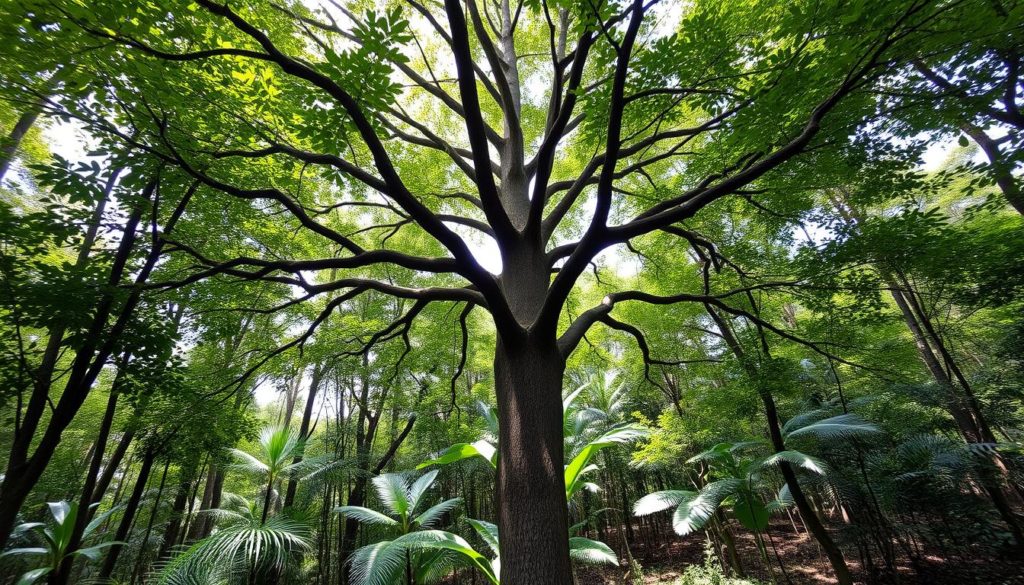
[530, 495]
[307, 417]
[177, 513]
[814, 525]
[60, 577]
[9, 150]
[199, 524]
[1002, 170]
[110, 561]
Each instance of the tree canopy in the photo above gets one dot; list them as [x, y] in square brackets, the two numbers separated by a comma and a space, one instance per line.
[755, 262]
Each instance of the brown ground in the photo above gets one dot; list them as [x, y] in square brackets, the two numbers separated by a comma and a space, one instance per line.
[664, 559]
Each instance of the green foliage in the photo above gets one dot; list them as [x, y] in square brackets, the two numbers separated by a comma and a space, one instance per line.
[56, 539]
[710, 573]
[243, 547]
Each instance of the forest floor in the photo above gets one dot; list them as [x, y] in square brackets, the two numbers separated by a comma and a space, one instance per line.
[665, 558]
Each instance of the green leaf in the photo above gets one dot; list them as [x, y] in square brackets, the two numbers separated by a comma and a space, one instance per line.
[751, 513]
[619, 434]
[14, 552]
[93, 552]
[591, 552]
[32, 576]
[460, 451]
[659, 501]
[365, 515]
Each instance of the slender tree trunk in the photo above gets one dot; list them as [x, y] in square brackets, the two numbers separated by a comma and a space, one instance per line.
[131, 507]
[307, 417]
[9, 147]
[137, 570]
[199, 524]
[107, 477]
[60, 577]
[811, 521]
[814, 525]
[177, 512]
[23, 471]
[530, 497]
[357, 495]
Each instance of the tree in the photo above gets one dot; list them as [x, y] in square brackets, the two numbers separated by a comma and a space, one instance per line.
[735, 93]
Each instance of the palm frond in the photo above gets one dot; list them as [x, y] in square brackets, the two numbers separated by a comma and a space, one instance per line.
[432, 515]
[488, 532]
[418, 488]
[798, 459]
[591, 552]
[660, 501]
[365, 516]
[377, 564]
[803, 419]
[393, 490]
[247, 462]
[715, 453]
[693, 513]
[843, 426]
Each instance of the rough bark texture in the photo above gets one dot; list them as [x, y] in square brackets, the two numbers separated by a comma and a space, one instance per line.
[532, 511]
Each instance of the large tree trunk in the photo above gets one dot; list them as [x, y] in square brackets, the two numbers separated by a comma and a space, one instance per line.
[530, 496]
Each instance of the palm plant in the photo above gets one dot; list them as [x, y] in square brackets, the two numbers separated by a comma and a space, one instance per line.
[426, 554]
[56, 537]
[244, 549]
[381, 563]
[278, 447]
[740, 481]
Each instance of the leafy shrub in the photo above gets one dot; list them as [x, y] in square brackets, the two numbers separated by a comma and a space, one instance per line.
[710, 573]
